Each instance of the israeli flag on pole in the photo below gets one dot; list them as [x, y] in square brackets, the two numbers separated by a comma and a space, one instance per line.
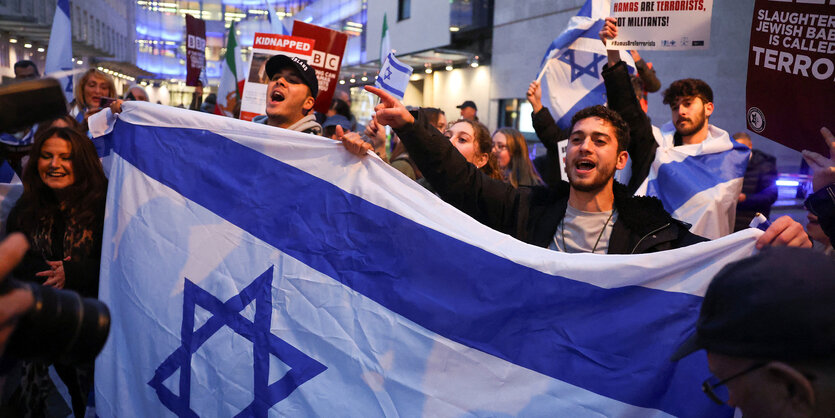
[698, 183]
[394, 76]
[59, 51]
[571, 68]
[255, 271]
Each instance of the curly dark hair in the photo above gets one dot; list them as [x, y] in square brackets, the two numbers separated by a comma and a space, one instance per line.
[81, 200]
[688, 87]
[609, 115]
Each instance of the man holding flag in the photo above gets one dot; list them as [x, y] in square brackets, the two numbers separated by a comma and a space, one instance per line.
[694, 168]
[590, 213]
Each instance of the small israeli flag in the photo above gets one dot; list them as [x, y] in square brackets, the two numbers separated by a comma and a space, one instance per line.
[394, 76]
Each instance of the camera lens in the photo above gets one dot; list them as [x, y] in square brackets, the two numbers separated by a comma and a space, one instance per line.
[62, 327]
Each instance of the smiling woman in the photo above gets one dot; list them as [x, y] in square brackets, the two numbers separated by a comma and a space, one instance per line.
[61, 212]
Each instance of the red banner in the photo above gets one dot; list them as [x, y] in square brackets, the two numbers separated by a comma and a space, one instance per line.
[195, 49]
[326, 59]
[790, 92]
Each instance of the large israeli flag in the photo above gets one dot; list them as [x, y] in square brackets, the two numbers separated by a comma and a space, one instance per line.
[59, 51]
[256, 271]
[571, 68]
[698, 183]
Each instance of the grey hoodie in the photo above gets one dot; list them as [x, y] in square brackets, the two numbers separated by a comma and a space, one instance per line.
[306, 124]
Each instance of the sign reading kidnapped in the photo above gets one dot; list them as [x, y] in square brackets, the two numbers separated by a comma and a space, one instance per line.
[791, 72]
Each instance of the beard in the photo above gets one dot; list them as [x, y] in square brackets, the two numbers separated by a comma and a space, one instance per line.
[697, 124]
[599, 181]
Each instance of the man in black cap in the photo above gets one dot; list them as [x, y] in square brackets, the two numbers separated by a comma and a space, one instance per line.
[768, 326]
[468, 110]
[291, 95]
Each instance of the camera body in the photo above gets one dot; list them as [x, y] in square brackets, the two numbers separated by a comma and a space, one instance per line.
[60, 327]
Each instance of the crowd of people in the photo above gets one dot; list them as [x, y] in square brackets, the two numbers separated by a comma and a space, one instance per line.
[492, 178]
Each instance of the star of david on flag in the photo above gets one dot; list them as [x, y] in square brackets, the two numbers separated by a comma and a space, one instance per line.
[571, 66]
[255, 271]
[265, 395]
[394, 76]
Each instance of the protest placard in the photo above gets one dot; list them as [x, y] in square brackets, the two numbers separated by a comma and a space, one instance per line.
[326, 59]
[264, 46]
[665, 25]
[195, 49]
[790, 92]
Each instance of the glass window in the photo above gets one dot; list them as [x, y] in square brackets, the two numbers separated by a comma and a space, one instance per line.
[404, 9]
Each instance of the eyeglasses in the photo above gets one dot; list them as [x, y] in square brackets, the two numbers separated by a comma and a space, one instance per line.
[717, 390]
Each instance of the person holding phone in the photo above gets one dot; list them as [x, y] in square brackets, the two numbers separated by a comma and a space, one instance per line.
[94, 92]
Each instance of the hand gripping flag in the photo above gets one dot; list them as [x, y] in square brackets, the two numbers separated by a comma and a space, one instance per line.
[59, 51]
[699, 183]
[255, 271]
[571, 67]
[394, 76]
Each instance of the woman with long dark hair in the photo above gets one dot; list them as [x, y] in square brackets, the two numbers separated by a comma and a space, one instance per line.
[511, 153]
[61, 211]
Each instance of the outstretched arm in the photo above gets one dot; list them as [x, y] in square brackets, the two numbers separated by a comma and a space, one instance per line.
[622, 99]
[459, 183]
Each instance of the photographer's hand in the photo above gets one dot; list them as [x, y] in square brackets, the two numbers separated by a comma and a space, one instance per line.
[16, 302]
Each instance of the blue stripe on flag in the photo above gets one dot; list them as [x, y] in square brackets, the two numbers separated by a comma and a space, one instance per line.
[64, 5]
[595, 96]
[551, 325]
[398, 65]
[681, 180]
[383, 85]
[6, 172]
[586, 9]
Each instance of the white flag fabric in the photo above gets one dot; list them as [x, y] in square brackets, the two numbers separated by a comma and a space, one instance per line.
[59, 51]
[572, 65]
[255, 271]
[698, 183]
[394, 76]
[11, 188]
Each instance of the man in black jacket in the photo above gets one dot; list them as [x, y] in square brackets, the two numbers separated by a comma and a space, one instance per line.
[589, 213]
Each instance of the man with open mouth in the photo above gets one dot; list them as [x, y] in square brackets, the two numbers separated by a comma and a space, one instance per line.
[590, 213]
[291, 95]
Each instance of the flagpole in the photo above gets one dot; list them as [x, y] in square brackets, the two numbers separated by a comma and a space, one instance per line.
[541, 73]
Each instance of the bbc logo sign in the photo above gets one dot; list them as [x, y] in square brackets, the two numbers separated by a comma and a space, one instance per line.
[324, 60]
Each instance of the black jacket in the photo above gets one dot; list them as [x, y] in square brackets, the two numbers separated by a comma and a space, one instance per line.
[549, 134]
[621, 99]
[532, 214]
[759, 188]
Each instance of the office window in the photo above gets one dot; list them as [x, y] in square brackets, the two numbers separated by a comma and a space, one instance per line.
[404, 9]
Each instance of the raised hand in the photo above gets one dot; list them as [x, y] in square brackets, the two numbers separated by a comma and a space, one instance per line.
[823, 169]
[390, 111]
[352, 142]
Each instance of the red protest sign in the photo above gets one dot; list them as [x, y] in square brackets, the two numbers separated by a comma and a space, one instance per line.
[790, 92]
[195, 49]
[326, 59]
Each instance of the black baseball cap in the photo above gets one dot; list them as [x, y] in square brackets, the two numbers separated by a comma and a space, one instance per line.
[277, 62]
[778, 304]
[468, 103]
